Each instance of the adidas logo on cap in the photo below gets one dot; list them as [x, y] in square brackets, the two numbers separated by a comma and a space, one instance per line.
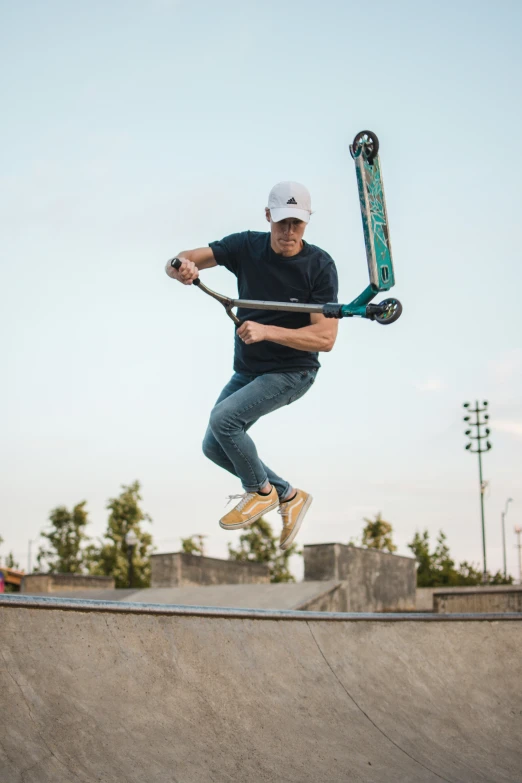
[291, 201]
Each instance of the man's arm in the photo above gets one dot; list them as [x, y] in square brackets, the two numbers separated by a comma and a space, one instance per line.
[319, 336]
[191, 263]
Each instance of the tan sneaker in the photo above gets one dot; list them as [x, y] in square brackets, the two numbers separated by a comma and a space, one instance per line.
[293, 512]
[251, 506]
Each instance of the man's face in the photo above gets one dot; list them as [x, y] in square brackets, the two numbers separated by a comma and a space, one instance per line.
[286, 235]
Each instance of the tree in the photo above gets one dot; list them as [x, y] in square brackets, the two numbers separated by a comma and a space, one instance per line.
[259, 545]
[468, 573]
[378, 534]
[111, 558]
[64, 554]
[10, 562]
[500, 579]
[437, 568]
[193, 545]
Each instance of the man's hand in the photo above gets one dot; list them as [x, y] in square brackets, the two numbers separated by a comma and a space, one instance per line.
[187, 272]
[252, 332]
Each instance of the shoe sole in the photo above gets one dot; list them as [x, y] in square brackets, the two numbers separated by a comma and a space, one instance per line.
[298, 523]
[251, 520]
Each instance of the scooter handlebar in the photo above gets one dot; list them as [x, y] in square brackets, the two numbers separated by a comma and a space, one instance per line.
[176, 264]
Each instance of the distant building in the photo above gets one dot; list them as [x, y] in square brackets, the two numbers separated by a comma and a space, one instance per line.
[10, 576]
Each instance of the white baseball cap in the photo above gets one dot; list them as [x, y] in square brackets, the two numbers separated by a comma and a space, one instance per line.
[289, 199]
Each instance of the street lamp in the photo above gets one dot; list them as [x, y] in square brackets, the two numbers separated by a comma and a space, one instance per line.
[131, 539]
[479, 437]
[508, 501]
[518, 531]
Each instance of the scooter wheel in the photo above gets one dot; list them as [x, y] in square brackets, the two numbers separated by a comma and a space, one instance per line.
[391, 310]
[369, 141]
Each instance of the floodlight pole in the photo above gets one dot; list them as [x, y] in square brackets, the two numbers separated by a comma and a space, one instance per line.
[479, 437]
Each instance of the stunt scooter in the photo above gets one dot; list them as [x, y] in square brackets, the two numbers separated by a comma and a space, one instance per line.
[365, 153]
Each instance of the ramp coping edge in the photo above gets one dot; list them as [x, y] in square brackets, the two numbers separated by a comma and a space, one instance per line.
[118, 607]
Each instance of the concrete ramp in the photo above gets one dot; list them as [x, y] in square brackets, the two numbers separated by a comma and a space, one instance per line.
[128, 693]
[244, 596]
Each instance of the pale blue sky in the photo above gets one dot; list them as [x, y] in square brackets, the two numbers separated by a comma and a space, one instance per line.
[133, 130]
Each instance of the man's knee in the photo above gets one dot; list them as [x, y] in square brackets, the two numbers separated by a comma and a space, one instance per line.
[218, 422]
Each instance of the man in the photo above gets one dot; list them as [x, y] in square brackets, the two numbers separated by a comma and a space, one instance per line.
[276, 353]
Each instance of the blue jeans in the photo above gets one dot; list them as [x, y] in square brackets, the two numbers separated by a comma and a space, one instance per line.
[242, 402]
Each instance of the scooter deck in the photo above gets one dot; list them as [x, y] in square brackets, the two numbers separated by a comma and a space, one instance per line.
[375, 222]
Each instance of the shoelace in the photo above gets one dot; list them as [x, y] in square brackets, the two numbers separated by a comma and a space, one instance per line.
[284, 513]
[244, 500]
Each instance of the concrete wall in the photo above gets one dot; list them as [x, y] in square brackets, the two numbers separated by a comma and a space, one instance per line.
[480, 600]
[424, 602]
[372, 581]
[177, 569]
[56, 583]
[424, 599]
[333, 600]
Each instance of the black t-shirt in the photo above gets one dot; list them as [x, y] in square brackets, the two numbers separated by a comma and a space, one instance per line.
[310, 276]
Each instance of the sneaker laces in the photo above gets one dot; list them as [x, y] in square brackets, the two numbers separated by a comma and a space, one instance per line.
[245, 497]
[284, 513]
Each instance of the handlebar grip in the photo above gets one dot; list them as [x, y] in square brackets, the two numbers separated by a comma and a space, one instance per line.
[176, 263]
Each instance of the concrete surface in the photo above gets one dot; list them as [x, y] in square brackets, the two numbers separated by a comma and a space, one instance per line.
[267, 596]
[424, 595]
[373, 581]
[177, 569]
[34, 584]
[424, 598]
[126, 693]
[480, 599]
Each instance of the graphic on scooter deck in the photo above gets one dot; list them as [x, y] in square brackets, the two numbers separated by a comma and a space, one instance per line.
[364, 151]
